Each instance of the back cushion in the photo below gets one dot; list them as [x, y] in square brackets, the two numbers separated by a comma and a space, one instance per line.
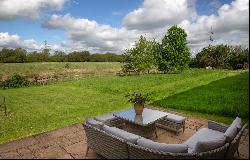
[95, 123]
[132, 138]
[237, 122]
[174, 148]
[230, 133]
[207, 145]
[233, 129]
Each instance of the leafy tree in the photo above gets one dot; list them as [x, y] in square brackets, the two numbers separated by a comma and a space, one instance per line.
[140, 58]
[174, 54]
[20, 55]
[17, 55]
[44, 57]
[238, 58]
[58, 56]
[222, 56]
[33, 57]
[213, 56]
[78, 56]
[107, 57]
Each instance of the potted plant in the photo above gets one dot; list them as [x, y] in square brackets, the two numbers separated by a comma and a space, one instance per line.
[138, 100]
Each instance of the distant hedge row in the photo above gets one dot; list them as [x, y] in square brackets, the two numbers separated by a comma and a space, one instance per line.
[20, 55]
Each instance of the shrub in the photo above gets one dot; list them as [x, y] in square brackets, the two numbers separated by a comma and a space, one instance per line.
[66, 66]
[15, 81]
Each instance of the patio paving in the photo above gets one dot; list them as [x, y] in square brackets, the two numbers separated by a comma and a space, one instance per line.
[70, 143]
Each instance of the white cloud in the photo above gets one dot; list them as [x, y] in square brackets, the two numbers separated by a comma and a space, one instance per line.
[14, 41]
[92, 35]
[31, 9]
[159, 13]
[231, 26]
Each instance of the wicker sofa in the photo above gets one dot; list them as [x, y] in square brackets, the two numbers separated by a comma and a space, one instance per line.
[114, 143]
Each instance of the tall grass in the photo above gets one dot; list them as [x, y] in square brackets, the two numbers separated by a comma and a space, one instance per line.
[58, 68]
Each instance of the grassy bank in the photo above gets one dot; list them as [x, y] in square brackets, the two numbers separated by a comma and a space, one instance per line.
[42, 108]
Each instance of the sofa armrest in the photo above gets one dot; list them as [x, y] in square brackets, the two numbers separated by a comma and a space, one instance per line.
[217, 126]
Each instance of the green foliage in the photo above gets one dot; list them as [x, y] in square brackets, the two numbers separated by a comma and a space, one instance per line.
[17, 55]
[238, 58]
[58, 56]
[174, 54]
[78, 56]
[137, 97]
[21, 56]
[222, 56]
[15, 81]
[140, 58]
[107, 57]
[66, 65]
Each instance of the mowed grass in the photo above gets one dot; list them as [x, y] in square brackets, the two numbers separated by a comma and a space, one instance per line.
[43, 108]
[226, 97]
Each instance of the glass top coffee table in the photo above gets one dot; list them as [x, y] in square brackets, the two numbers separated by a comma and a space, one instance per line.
[144, 124]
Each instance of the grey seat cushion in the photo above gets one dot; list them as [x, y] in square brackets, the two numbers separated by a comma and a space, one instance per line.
[201, 135]
[175, 118]
[105, 117]
[132, 138]
[95, 123]
[174, 148]
[207, 145]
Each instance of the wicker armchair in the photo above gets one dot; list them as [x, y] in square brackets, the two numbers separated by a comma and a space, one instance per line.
[105, 144]
[234, 145]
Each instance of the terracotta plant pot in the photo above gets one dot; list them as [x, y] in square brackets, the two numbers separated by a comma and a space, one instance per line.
[138, 108]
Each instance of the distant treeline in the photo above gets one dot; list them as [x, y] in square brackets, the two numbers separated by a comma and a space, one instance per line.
[20, 55]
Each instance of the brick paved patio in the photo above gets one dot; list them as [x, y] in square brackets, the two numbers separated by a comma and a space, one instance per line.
[70, 143]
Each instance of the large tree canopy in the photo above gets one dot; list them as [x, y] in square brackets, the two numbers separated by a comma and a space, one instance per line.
[141, 57]
[174, 53]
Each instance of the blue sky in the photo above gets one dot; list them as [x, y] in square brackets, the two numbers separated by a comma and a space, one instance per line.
[117, 14]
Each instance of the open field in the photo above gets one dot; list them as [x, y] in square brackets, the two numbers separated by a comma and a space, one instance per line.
[38, 109]
[57, 70]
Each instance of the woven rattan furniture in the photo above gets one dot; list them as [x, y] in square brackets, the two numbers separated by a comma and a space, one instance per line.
[172, 122]
[115, 146]
[143, 125]
[111, 120]
[138, 152]
[104, 144]
[234, 144]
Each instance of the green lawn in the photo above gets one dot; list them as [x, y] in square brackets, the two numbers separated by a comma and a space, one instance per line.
[42, 108]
